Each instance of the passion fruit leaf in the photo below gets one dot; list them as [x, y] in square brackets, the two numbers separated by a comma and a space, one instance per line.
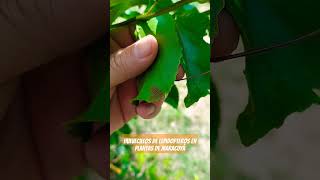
[196, 52]
[158, 4]
[173, 97]
[158, 80]
[282, 81]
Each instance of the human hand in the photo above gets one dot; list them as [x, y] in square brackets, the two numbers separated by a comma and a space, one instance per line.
[43, 85]
[128, 60]
[228, 37]
[123, 87]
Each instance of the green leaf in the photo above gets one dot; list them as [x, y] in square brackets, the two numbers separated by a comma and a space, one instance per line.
[173, 97]
[118, 7]
[157, 81]
[196, 53]
[115, 136]
[280, 82]
[97, 113]
[159, 4]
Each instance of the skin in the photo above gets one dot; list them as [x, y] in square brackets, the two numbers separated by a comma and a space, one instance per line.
[228, 36]
[43, 84]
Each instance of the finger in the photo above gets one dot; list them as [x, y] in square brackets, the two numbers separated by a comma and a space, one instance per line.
[133, 60]
[149, 110]
[122, 36]
[114, 46]
[127, 91]
[116, 114]
[180, 73]
[228, 37]
[96, 153]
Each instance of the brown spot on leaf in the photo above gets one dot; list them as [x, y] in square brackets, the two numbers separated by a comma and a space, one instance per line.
[156, 94]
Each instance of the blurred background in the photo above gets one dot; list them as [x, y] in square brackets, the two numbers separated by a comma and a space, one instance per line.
[192, 165]
[288, 153]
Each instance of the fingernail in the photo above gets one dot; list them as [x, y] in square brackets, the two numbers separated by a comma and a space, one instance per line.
[143, 47]
[150, 109]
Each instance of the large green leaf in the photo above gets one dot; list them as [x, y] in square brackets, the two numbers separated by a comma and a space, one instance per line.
[282, 81]
[196, 52]
[173, 97]
[177, 38]
[157, 81]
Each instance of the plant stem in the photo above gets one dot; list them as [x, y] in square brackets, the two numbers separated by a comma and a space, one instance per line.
[258, 51]
[266, 49]
[124, 23]
[153, 6]
[149, 15]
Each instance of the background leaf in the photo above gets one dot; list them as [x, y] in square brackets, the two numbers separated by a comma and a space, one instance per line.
[280, 82]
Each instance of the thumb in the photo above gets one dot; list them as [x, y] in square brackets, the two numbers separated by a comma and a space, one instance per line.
[133, 60]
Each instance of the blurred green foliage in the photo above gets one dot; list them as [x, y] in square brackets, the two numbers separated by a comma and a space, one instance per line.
[193, 165]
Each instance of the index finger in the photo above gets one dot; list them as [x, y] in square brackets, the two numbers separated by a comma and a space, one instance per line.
[122, 36]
